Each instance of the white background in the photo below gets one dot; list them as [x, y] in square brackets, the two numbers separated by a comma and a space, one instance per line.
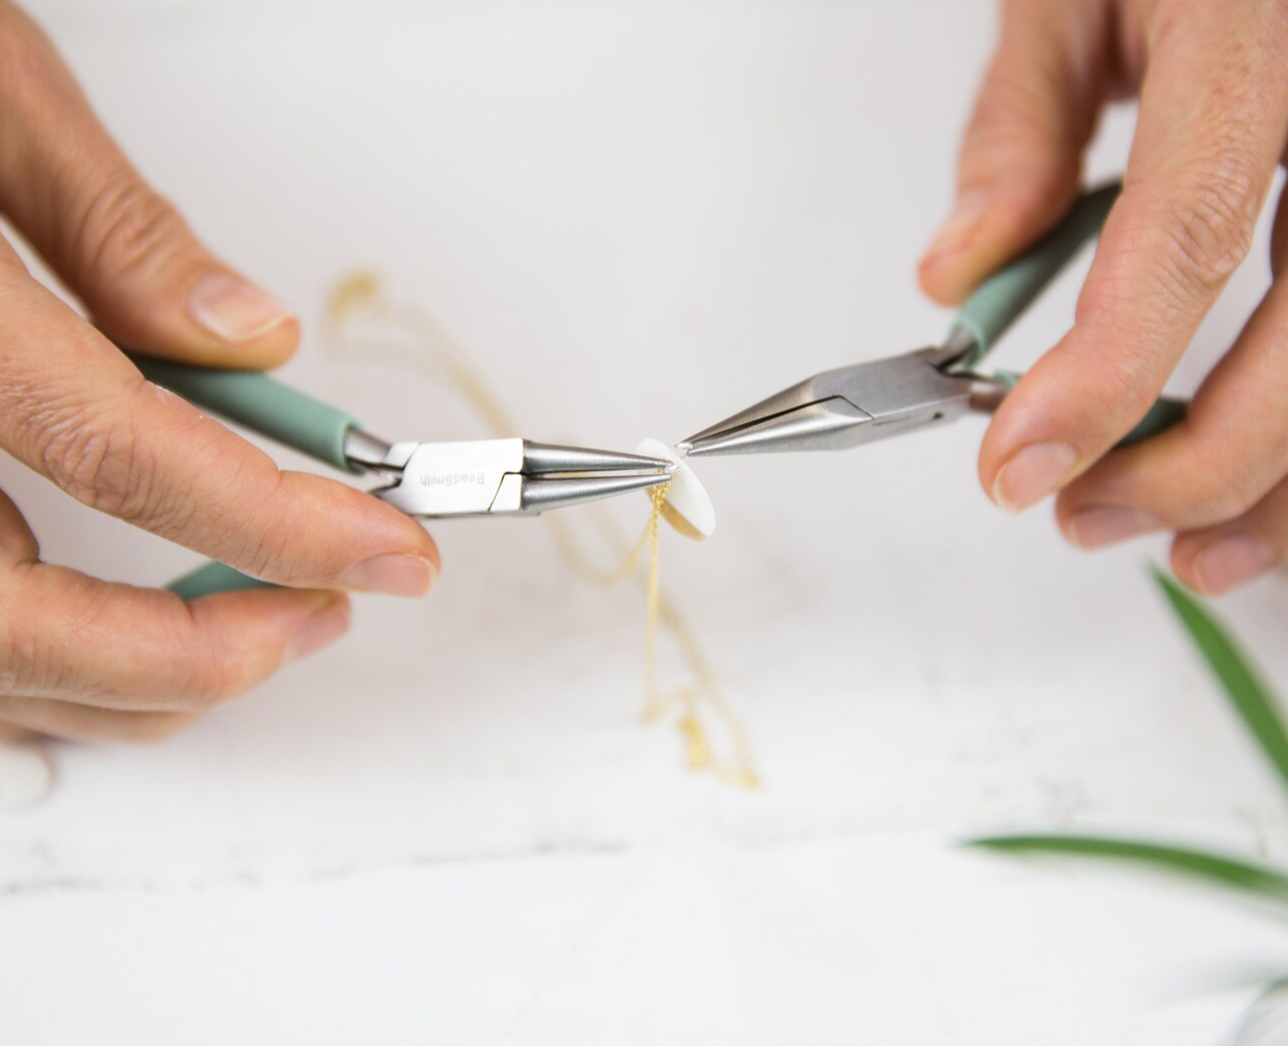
[452, 827]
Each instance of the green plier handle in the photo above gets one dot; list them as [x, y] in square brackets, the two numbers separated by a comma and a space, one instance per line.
[253, 399]
[261, 403]
[1002, 298]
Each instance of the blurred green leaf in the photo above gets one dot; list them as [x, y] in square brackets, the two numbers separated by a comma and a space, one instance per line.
[1195, 864]
[1266, 1022]
[1250, 697]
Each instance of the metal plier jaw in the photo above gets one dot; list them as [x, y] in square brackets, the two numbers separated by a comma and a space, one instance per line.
[498, 477]
[929, 387]
[855, 405]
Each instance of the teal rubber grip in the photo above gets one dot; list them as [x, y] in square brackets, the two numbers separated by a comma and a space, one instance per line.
[1002, 298]
[211, 578]
[253, 399]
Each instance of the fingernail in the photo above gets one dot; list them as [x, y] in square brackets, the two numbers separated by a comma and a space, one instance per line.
[1032, 474]
[232, 309]
[316, 631]
[1232, 562]
[1109, 524]
[394, 575]
[959, 229]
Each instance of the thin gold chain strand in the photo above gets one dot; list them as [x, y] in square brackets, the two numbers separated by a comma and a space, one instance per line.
[409, 338]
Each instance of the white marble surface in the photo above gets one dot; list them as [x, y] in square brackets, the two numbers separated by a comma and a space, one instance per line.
[452, 827]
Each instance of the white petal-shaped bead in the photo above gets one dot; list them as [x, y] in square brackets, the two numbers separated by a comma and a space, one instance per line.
[688, 507]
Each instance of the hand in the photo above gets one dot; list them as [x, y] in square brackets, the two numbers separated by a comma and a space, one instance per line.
[1213, 88]
[80, 657]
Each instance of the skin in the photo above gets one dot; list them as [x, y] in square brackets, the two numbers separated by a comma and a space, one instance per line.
[84, 658]
[1213, 123]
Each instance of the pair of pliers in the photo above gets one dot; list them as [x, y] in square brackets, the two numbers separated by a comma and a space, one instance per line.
[493, 477]
[928, 387]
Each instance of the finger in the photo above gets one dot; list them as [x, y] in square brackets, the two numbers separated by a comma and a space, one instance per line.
[121, 248]
[17, 543]
[1229, 453]
[1217, 559]
[68, 637]
[1022, 151]
[33, 716]
[79, 413]
[1210, 132]
[13, 732]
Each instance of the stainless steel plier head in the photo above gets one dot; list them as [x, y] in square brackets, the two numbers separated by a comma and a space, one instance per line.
[499, 477]
[853, 405]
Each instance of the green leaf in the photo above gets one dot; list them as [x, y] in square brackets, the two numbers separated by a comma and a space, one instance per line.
[1249, 696]
[1198, 864]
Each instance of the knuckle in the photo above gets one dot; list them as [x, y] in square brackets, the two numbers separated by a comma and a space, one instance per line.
[45, 654]
[1019, 114]
[25, 665]
[30, 661]
[273, 548]
[1220, 487]
[1007, 120]
[215, 670]
[184, 673]
[1225, 496]
[127, 227]
[271, 556]
[206, 683]
[1127, 385]
[1211, 227]
[99, 460]
[93, 462]
[1123, 379]
[198, 681]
